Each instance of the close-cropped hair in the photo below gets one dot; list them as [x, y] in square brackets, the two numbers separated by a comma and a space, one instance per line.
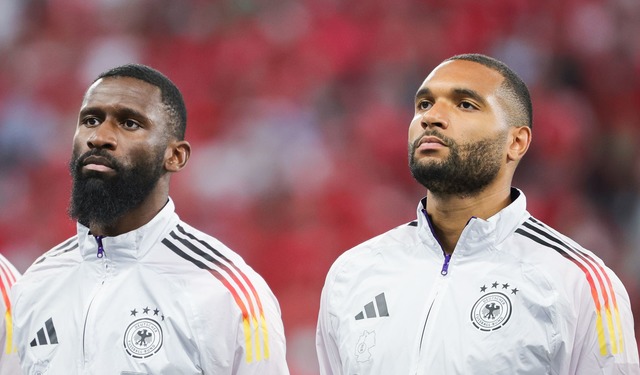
[170, 94]
[513, 84]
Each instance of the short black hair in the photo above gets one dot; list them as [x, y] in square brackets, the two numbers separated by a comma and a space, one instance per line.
[512, 83]
[170, 94]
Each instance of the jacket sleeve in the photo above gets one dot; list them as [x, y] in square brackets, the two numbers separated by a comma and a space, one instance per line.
[260, 340]
[9, 362]
[239, 328]
[605, 338]
[326, 345]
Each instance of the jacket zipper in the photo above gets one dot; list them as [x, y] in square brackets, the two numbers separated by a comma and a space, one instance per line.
[445, 265]
[424, 327]
[100, 254]
[443, 271]
[447, 257]
[84, 330]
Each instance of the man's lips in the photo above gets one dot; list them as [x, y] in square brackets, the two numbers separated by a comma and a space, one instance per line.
[430, 143]
[97, 163]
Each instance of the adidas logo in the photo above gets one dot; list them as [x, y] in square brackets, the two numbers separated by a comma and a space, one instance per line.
[47, 331]
[370, 308]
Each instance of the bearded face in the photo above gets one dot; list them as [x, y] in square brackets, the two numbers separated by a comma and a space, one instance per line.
[466, 171]
[98, 198]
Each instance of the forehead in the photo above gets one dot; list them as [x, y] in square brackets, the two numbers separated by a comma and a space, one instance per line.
[463, 74]
[124, 92]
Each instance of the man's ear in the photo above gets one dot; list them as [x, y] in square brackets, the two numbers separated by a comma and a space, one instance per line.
[177, 155]
[519, 141]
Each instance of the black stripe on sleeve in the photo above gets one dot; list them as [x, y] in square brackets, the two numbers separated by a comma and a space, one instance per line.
[176, 250]
[69, 245]
[202, 242]
[550, 241]
[547, 235]
[537, 239]
[196, 250]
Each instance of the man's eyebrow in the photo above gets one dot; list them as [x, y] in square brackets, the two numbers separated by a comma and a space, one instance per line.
[131, 113]
[90, 110]
[120, 112]
[456, 92]
[423, 92]
[468, 93]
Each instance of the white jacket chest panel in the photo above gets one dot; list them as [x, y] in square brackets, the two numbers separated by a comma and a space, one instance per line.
[481, 315]
[114, 323]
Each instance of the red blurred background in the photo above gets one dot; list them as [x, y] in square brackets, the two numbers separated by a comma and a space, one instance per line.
[298, 117]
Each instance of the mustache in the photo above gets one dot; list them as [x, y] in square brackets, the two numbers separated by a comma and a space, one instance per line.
[80, 160]
[433, 133]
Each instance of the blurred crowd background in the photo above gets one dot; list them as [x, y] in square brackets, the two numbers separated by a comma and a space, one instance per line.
[298, 118]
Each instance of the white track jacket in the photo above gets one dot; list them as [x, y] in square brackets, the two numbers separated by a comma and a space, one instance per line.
[516, 297]
[9, 364]
[163, 299]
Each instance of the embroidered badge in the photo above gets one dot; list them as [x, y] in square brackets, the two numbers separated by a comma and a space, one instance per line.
[365, 343]
[143, 337]
[40, 367]
[493, 309]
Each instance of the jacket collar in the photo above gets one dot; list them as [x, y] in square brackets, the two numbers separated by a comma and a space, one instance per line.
[479, 234]
[131, 245]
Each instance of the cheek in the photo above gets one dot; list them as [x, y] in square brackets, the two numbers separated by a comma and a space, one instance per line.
[79, 143]
[154, 154]
[81, 136]
[415, 128]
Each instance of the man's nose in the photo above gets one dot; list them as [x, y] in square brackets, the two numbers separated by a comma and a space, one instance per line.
[436, 116]
[103, 136]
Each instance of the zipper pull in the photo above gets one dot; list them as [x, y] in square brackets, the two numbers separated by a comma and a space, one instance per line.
[100, 247]
[445, 265]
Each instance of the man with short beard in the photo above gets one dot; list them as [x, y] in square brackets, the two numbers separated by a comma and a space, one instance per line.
[137, 290]
[475, 285]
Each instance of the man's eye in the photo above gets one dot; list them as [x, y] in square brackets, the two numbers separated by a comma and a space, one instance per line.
[423, 104]
[91, 121]
[130, 124]
[467, 105]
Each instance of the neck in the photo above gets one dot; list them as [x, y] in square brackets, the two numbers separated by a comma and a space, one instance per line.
[450, 214]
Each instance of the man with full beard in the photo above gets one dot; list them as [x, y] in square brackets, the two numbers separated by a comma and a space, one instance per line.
[475, 285]
[137, 290]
